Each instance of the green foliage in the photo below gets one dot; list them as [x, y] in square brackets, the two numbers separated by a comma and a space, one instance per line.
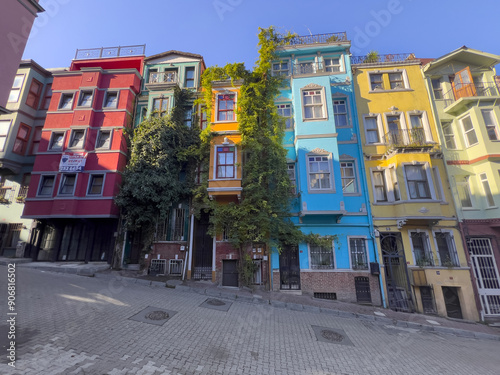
[161, 169]
[371, 57]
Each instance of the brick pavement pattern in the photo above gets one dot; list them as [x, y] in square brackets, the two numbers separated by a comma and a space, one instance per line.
[69, 324]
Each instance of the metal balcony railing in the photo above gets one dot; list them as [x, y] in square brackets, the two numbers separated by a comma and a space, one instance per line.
[314, 39]
[469, 90]
[163, 77]
[314, 68]
[23, 192]
[407, 138]
[383, 59]
[110, 52]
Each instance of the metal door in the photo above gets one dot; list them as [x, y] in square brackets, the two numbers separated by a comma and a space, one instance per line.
[203, 250]
[230, 273]
[362, 285]
[486, 272]
[396, 273]
[452, 302]
[427, 298]
[290, 268]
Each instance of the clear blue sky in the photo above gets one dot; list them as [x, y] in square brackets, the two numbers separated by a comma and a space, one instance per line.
[226, 30]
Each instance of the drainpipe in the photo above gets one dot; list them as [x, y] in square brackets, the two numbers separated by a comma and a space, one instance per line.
[189, 254]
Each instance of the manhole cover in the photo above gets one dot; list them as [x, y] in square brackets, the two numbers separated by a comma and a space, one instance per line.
[332, 336]
[215, 302]
[157, 315]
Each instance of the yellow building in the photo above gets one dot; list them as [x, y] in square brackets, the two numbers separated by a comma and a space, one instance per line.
[424, 267]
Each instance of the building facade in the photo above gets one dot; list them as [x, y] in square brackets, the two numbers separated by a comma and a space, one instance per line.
[326, 167]
[20, 135]
[465, 103]
[423, 263]
[81, 153]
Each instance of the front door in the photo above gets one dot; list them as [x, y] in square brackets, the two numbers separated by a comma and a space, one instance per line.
[203, 249]
[452, 302]
[362, 285]
[290, 268]
[230, 273]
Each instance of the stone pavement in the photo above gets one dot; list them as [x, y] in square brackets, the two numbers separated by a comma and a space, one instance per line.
[68, 324]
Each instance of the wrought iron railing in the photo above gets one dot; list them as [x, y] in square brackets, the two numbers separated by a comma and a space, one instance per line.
[314, 39]
[383, 59]
[163, 77]
[109, 52]
[468, 90]
[407, 138]
[22, 194]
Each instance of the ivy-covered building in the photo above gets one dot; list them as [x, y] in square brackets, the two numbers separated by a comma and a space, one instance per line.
[326, 167]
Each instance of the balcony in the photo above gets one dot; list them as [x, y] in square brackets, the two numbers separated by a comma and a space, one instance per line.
[462, 95]
[314, 39]
[376, 59]
[162, 80]
[409, 139]
[311, 68]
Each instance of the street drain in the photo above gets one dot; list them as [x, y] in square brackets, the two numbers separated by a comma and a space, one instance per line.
[157, 315]
[215, 302]
[332, 336]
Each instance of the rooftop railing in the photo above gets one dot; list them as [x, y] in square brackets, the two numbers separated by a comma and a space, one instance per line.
[110, 52]
[383, 59]
[314, 39]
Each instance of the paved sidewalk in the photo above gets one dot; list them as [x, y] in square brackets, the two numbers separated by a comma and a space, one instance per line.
[79, 268]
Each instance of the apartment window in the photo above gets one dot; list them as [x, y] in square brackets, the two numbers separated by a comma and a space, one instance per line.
[469, 132]
[380, 186]
[77, 138]
[421, 249]
[449, 136]
[321, 257]
[396, 80]
[437, 89]
[46, 185]
[292, 177]
[340, 113]
[359, 258]
[34, 94]
[160, 107]
[312, 102]
[281, 68]
[487, 191]
[285, 111]
[111, 99]
[21, 142]
[68, 182]
[491, 124]
[153, 75]
[446, 249]
[416, 179]
[47, 96]
[4, 132]
[85, 99]
[395, 184]
[372, 129]
[173, 228]
[96, 182]
[66, 101]
[103, 139]
[332, 65]
[319, 172]
[438, 187]
[188, 116]
[35, 143]
[393, 124]
[15, 92]
[56, 141]
[203, 121]
[225, 161]
[464, 193]
[376, 82]
[225, 107]
[306, 67]
[348, 176]
[189, 80]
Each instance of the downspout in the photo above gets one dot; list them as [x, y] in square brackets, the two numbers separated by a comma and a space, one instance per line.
[189, 254]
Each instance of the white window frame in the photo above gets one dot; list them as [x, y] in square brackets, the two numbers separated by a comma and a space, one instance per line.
[51, 141]
[216, 113]
[424, 120]
[449, 135]
[347, 111]
[293, 179]
[438, 89]
[110, 131]
[430, 181]
[356, 175]
[17, 89]
[383, 173]
[40, 184]
[5, 136]
[290, 118]
[81, 96]
[105, 100]
[72, 135]
[493, 126]
[279, 72]
[488, 194]
[89, 184]
[334, 261]
[324, 115]
[62, 181]
[472, 130]
[71, 102]
[451, 249]
[401, 128]
[331, 189]
[235, 177]
[389, 183]
[385, 74]
[340, 65]
[427, 247]
[378, 119]
[466, 187]
[367, 255]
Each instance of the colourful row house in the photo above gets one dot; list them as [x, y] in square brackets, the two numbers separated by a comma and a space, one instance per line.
[466, 105]
[326, 167]
[81, 152]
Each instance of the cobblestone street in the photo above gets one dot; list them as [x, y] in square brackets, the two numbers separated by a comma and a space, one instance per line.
[69, 324]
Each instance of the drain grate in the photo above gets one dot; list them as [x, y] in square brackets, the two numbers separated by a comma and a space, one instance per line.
[157, 315]
[332, 335]
[215, 302]
[153, 315]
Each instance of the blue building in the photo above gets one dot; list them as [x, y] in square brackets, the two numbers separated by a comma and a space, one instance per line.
[326, 166]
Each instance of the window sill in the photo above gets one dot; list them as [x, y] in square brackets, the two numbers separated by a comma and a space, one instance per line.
[391, 90]
[314, 119]
[470, 209]
[491, 208]
[325, 191]
[224, 122]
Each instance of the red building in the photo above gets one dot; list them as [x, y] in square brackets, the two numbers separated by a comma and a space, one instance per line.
[81, 154]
